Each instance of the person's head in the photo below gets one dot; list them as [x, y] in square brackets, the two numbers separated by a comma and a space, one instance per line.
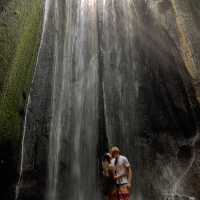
[115, 152]
[107, 157]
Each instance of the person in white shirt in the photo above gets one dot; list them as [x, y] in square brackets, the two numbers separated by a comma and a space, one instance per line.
[122, 174]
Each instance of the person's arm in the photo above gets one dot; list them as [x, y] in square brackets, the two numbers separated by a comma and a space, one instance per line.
[130, 176]
[119, 176]
[129, 172]
[111, 172]
[105, 168]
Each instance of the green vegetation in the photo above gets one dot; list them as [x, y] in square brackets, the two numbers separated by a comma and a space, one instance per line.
[20, 30]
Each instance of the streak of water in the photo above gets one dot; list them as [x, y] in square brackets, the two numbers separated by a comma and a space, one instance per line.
[96, 56]
[74, 102]
[46, 11]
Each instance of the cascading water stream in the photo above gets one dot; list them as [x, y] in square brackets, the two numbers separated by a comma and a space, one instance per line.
[77, 67]
[103, 77]
[75, 98]
[74, 122]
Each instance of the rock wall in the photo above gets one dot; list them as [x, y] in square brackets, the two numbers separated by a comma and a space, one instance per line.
[148, 99]
[178, 20]
[181, 20]
[20, 29]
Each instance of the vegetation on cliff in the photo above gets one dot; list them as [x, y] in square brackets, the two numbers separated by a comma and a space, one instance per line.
[20, 28]
[20, 31]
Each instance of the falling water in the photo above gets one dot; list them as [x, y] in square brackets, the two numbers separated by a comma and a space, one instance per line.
[73, 132]
[74, 125]
[105, 60]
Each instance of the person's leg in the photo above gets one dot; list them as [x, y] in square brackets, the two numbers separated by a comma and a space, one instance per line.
[124, 193]
[113, 195]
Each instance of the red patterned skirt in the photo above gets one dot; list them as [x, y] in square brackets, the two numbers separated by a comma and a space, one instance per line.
[122, 193]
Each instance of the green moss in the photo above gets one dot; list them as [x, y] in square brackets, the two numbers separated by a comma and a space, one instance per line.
[17, 65]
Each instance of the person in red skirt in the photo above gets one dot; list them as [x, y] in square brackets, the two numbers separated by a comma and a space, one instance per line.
[119, 173]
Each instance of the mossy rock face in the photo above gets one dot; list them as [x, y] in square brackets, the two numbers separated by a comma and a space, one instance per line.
[20, 31]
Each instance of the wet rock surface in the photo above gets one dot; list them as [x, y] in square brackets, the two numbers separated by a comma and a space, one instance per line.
[33, 181]
[18, 51]
[146, 103]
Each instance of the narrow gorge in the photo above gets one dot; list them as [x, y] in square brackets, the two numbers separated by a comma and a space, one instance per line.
[106, 72]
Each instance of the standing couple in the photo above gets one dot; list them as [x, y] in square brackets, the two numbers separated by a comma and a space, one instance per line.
[117, 174]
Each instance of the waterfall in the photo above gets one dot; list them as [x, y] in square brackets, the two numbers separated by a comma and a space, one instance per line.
[106, 75]
[87, 35]
[73, 134]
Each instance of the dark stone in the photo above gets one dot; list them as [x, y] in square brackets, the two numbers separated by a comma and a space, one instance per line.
[33, 182]
[153, 124]
[185, 152]
[164, 6]
[8, 171]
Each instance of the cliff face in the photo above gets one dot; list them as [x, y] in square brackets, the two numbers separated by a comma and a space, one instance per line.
[124, 73]
[180, 20]
[120, 73]
[20, 28]
[180, 28]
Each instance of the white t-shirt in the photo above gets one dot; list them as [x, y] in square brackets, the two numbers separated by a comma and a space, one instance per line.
[121, 169]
